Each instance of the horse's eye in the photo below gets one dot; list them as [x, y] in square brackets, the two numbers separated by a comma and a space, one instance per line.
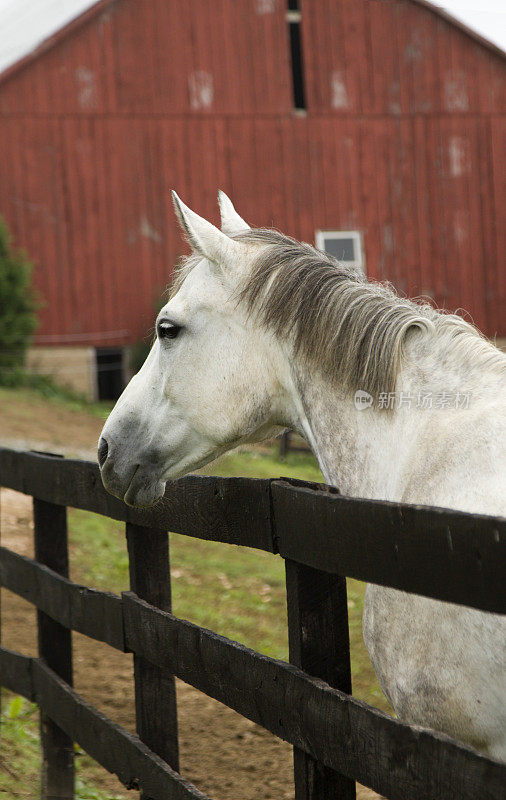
[167, 330]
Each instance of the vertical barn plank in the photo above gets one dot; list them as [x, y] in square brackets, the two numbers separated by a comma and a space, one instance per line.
[437, 202]
[408, 209]
[492, 277]
[155, 691]
[310, 54]
[55, 650]
[322, 58]
[391, 145]
[498, 149]
[62, 236]
[319, 644]
[474, 295]
[423, 211]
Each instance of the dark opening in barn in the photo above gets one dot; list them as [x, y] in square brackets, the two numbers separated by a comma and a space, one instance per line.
[110, 381]
[294, 20]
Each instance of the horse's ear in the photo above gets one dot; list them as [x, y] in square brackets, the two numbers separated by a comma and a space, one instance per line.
[202, 235]
[231, 222]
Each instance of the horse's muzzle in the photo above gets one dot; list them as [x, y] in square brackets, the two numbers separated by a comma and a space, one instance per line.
[135, 484]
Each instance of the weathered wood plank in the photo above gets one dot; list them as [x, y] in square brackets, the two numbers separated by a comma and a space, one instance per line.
[16, 673]
[96, 614]
[393, 758]
[449, 555]
[55, 650]
[230, 510]
[36, 583]
[155, 689]
[113, 747]
[319, 643]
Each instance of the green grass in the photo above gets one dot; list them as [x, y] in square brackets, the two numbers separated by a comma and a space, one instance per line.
[264, 462]
[235, 591]
[42, 389]
[20, 759]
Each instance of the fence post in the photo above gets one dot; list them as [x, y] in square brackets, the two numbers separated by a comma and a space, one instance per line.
[155, 689]
[55, 649]
[284, 444]
[319, 643]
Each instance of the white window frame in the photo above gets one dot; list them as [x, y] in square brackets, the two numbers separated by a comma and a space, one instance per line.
[356, 236]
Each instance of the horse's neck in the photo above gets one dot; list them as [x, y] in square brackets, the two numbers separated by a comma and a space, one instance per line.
[374, 453]
[359, 452]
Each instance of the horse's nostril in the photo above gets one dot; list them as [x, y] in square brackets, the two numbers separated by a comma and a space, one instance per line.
[103, 449]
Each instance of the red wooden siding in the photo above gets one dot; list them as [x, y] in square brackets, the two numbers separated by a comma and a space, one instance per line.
[156, 57]
[403, 140]
[395, 57]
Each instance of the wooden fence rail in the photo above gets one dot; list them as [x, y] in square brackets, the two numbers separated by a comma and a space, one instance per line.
[323, 537]
[108, 743]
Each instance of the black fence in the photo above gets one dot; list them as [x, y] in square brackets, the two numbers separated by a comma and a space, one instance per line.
[323, 537]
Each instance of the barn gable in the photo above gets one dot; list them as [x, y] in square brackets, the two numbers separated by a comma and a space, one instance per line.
[402, 45]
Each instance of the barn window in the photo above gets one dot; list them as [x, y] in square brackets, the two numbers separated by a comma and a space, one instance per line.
[346, 246]
[110, 374]
[293, 17]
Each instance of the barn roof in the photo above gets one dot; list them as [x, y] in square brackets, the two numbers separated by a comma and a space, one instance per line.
[47, 22]
[25, 25]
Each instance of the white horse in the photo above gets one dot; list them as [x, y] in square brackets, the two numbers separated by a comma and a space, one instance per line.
[261, 333]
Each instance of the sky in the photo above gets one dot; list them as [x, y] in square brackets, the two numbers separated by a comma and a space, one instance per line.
[25, 23]
[487, 17]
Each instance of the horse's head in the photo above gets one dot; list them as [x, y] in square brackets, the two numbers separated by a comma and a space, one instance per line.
[210, 381]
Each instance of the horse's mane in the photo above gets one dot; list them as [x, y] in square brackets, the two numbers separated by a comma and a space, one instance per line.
[342, 324]
[345, 326]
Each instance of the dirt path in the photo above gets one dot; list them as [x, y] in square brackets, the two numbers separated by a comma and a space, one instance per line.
[29, 422]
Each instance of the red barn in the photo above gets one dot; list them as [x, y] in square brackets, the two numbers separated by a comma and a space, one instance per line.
[376, 126]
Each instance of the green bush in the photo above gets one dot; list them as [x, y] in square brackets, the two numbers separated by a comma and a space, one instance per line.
[18, 306]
